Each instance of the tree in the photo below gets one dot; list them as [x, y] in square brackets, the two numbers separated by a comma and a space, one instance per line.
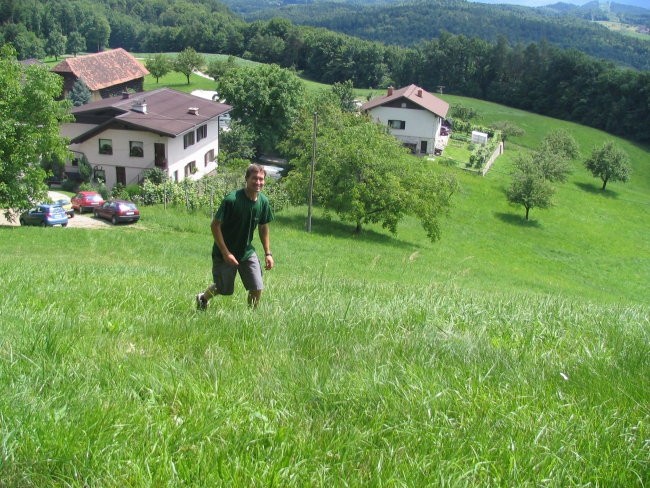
[363, 174]
[217, 68]
[97, 31]
[187, 61]
[267, 97]
[76, 43]
[30, 117]
[238, 142]
[28, 45]
[609, 163]
[507, 129]
[158, 65]
[80, 94]
[529, 187]
[551, 158]
[344, 92]
[55, 44]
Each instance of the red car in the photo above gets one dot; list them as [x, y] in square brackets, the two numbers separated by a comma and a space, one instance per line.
[118, 211]
[86, 200]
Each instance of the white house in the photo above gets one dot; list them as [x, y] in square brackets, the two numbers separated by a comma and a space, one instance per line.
[413, 115]
[123, 136]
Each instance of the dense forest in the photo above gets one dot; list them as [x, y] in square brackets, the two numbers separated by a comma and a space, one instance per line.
[408, 23]
[538, 76]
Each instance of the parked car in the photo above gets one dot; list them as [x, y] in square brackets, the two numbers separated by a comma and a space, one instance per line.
[118, 211]
[45, 215]
[86, 200]
[63, 201]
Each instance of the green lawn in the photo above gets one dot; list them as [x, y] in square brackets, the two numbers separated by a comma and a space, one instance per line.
[509, 353]
[371, 360]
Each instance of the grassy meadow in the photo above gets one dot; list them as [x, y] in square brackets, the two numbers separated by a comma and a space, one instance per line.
[509, 353]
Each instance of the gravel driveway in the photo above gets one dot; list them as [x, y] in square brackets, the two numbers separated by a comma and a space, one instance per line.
[84, 221]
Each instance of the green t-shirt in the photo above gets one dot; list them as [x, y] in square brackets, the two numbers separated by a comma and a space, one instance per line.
[239, 217]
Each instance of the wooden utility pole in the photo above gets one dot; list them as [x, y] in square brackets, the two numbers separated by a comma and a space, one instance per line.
[311, 176]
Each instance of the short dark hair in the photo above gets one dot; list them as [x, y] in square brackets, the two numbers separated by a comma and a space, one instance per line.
[255, 168]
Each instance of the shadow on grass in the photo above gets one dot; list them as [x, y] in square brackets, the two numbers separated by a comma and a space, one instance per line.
[516, 219]
[596, 190]
[333, 228]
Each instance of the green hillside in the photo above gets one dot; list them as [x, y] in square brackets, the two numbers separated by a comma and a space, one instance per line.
[510, 353]
[416, 21]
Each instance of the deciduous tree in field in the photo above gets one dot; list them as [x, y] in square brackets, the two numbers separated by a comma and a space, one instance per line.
[76, 43]
[55, 44]
[534, 174]
[507, 129]
[553, 155]
[30, 117]
[529, 187]
[609, 163]
[363, 174]
[266, 96]
[187, 61]
[217, 67]
[158, 65]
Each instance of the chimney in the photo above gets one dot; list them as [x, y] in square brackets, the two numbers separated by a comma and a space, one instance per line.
[125, 95]
[390, 91]
[420, 92]
[193, 110]
[140, 106]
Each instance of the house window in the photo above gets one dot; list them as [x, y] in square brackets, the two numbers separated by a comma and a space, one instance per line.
[397, 124]
[106, 146]
[136, 149]
[190, 168]
[209, 157]
[201, 133]
[188, 139]
[99, 174]
[120, 174]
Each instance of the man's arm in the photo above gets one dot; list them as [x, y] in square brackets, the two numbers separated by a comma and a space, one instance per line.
[215, 226]
[265, 237]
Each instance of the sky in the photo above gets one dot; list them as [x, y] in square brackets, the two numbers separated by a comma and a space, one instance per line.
[541, 3]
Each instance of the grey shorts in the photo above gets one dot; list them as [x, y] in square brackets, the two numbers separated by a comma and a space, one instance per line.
[250, 272]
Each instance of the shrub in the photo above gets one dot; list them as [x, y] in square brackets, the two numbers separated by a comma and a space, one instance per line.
[155, 175]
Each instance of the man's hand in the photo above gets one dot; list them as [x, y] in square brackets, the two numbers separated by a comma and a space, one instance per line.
[268, 262]
[231, 260]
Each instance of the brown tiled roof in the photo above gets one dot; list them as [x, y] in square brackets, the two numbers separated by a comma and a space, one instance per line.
[168, 112]
[415, 94]
[103, 69]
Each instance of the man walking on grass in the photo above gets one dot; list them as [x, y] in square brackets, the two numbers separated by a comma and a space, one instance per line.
[233, 226]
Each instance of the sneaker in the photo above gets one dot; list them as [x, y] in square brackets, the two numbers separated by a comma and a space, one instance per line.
[201, 302]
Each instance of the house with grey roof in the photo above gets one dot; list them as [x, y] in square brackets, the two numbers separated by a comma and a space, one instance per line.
[106, 74]
[123, 136]
[412, 115]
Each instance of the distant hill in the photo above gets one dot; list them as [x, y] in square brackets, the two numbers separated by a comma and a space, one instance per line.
[408, 23]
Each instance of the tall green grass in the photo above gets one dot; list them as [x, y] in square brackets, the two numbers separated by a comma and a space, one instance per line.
[361, 367]
[510, 353]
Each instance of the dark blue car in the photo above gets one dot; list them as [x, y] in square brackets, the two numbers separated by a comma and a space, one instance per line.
[45, 215]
